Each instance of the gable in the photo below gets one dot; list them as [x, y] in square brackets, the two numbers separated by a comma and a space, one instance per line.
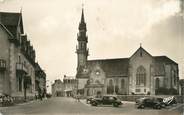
[140, 55]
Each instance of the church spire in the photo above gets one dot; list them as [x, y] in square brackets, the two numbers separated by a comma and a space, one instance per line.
[82, 24]
[82, 16]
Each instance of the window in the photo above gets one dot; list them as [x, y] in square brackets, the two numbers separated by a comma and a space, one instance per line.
[19, 59]
[141, 76]
[110, 87]
[19, 83]
[157, 83]
[137, 90]
[122, 83]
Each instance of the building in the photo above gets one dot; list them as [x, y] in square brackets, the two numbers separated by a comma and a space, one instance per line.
[141, 73]
[40, 80]
[58, 88]
[17, 58]
[70, 85]
[182, 87]
[66, 88]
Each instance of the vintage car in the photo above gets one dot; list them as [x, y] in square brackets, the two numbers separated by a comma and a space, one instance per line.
[106, 100]
[150, 102]
[90, 98]
[169, 101]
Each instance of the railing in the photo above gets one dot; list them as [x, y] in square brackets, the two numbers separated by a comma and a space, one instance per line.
[2, 64]
[21, 67]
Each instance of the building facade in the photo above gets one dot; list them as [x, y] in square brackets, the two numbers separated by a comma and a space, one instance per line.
[70, 86]
[141, 73]
[182, 87]
[67, 87]
[40, 81]
[58, 88]
[17, 58]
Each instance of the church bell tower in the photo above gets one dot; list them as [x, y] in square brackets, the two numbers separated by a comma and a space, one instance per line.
[81, 49]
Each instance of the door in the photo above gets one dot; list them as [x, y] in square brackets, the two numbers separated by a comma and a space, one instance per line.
[105, 100]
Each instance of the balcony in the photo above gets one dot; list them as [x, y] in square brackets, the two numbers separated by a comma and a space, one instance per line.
[20, 67]
[2, 65]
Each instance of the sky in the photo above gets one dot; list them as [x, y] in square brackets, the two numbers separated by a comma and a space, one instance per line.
[115, 30]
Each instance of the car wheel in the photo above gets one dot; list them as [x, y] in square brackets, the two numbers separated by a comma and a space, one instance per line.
[94, 104]
[158, 107]
[141, 106]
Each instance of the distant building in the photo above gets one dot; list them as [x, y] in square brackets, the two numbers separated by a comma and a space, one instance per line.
[141, 73]
[70, 86]
[40, 80]
[58, 88]
[66, 88]
[17, 58]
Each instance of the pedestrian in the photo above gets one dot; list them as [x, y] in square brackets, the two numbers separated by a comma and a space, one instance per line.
[78, 97]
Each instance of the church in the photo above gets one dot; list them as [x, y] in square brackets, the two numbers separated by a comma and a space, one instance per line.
[140, 74]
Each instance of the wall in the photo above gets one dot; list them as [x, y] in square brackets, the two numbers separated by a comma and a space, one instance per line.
[4, 54]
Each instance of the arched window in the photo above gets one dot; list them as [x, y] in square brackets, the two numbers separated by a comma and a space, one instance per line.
[157, 83]
[110, 87]
[110, 82]
[122, 83]
[141, 76]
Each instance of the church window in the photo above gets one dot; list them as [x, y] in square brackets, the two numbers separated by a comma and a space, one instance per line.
[110, 87]
[157, 83]
[141, 76]
[140, 53]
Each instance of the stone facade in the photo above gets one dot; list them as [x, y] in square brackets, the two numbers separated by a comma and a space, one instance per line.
[141, 73]
[70, 86]
[67, 87]
[57, 88]
[17, 58]
[40, 80]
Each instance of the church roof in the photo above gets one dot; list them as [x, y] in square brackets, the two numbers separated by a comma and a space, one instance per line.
[112, 67]
[164, 59]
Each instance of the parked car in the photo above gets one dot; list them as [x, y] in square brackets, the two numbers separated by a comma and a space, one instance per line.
[161, 101]
[150, 102]
[90, 98]
[6, 100]
[169, 101]
[106, 100]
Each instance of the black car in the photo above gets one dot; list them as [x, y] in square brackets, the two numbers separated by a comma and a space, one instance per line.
[88, 99]
[106, 100]
[148, 102]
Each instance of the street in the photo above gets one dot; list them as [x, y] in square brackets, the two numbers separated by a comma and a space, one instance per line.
[63, 106]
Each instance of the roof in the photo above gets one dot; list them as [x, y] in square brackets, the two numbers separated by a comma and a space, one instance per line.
[118, 67]
[11, 20]
[164, 59]
[111, 67]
